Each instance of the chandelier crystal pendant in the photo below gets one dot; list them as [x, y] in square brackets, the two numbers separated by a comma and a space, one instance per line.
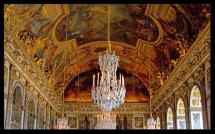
[108, 92]
[106, 120]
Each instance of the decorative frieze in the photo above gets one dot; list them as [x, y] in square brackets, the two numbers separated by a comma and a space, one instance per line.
[92, 108]
[24, 71]
[189, 64]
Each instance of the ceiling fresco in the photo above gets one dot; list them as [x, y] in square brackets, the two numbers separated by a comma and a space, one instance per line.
[79, 89]
[150, 39]
[88, 23]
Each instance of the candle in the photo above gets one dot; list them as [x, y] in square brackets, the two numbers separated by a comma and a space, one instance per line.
[123, 84]
[102, 78]
[120, 79]
[93, 80]
[108, 77]
[98, 79]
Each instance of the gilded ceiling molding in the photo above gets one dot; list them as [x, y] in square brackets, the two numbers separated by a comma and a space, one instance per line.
[165, 12]
[148, 10]
[86, 54]
[23, 66]
[89, 108]
[82, 66]
[23, 58]
[196, 55]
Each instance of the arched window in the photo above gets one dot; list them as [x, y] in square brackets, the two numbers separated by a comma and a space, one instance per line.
[181, 123]
[169, 118]
[31, 114]
[158, 126]
[41, 118]
[16, 117]
[196, 109]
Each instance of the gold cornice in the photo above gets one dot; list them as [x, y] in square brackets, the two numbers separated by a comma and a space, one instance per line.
[90, 108]
[25, 66]
[196, 55]
[160, 29]
[85, 61]
[82, 58]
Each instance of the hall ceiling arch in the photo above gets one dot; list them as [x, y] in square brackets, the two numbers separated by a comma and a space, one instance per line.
[41, 30]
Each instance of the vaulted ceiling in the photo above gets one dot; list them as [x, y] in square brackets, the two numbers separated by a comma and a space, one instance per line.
[64, 41]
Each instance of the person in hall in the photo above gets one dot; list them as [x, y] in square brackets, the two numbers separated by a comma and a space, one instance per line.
[87, 123]
[118, 123]
[125, 122]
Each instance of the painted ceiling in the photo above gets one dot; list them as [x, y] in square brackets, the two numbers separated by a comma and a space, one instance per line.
[64, 40]
[79, 88]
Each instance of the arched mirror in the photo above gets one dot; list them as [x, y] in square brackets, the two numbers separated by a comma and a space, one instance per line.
[17, 115]
[31, 114]
[196, 109]
[169, 118]
[181, 123]
[41, 118]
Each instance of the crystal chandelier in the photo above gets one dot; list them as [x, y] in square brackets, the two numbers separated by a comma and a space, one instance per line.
[62, 123]
[151, 123]
[109, 92]
[106, 120]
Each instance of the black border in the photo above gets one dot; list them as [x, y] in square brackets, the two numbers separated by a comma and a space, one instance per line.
[114, 2]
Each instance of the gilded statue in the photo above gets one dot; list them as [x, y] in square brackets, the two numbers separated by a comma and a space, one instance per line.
[160, 79]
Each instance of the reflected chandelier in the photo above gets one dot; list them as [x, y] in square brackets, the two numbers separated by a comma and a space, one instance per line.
[106, 120]
[151, 123]
[62, 123]
[109, 92]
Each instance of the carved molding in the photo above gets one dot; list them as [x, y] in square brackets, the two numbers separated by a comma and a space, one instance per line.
[189, 64]
[24, 71]
[89, 108]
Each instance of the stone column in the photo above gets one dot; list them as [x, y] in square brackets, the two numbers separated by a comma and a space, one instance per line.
[6, 95]
[187, 109]
[48, 116]
[23, 108]
[55, 123]
[199, 78]
[208, 91]
[45, 114]
[163, 119]
[37, 112]
[25, 120]
[174, 110]
[160, 116]
[204, 110]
